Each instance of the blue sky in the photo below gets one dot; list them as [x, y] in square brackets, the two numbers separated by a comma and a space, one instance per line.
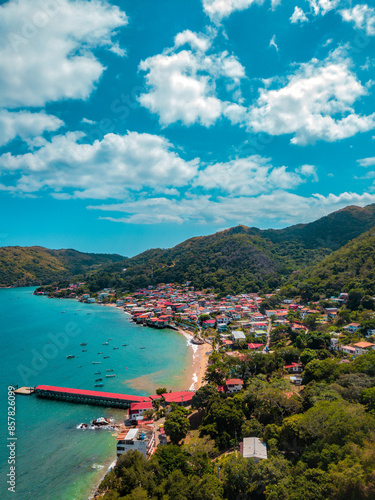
[130, 125]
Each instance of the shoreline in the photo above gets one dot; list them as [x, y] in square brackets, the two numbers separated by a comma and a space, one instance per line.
[200, 360]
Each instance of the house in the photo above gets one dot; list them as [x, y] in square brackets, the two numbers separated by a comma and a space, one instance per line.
[209, 323]
[138, 409]
[140, 439]
[294, 367]
[233, 385]
[252, 447]
[363, 347]
[238, 336]
[254, 347]
[352, 327]
[347, 349]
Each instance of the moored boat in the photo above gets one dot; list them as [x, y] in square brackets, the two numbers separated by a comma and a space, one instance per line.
[70, 356]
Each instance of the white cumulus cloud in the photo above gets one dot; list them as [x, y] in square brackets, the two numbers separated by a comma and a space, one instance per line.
[219, 9]
[181, 83]
[104, 169]
[248, 176]
[298, 16]
[362, 16]
[315, 103]
[47, 49]
[25, 125]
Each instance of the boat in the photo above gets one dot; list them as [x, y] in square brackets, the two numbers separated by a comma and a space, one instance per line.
[84, 350]
[97, 373]
[105, 343]
[100, 352]
[110, 339]
[116, 348]
[124, 345]
[83, 343]
[98, 379]
[110, 370]
[99, 385]
[142, 348]
[70, 356]
[112, 375]
[101, 421]
[96, 362]
[105, 357]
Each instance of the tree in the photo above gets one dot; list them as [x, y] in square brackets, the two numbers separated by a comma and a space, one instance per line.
[307, 355]
[204, 396]
[368, 398]
[161, 390]
[176, 425]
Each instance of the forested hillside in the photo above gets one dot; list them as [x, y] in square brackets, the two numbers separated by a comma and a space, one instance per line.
[240, 258]
[352, 267]
[23, 266]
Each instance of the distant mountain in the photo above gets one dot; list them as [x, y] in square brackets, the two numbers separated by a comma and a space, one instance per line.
[349, 268]
[241, 258]
[23, 266]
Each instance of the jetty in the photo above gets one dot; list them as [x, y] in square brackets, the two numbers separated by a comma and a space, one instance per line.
[82, 396]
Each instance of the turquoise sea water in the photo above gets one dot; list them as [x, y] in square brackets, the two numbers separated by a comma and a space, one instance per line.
[53, 458]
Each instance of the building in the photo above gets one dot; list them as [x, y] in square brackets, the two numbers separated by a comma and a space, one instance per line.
[294, 367]
[348, 349]
[352, 327]
[238, 336]
[363, 347]
[138, 409]
[233, 385]
[252, 447]
[140, 439]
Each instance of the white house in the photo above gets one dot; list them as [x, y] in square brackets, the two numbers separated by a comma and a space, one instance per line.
[140, 439]
[363, 347]
[252, 447]
[238, 336]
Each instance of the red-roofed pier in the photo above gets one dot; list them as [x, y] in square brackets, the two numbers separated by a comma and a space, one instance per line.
[82, 396]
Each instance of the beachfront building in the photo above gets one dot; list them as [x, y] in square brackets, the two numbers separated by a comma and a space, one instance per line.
[140, 439]
[252, 447]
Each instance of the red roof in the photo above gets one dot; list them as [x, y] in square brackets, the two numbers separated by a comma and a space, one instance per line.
[254, 346]
[178, 397]
[234, 381]
[83, 392]
[141, 406]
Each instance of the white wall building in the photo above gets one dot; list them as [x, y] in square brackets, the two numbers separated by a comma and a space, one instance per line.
[140, 439]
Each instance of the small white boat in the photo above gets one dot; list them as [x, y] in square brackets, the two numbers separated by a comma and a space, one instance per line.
[96, 362]
[112, 375]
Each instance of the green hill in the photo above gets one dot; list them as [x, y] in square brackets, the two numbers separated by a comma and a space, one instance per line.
[25, 266]
[349, 268]
[241, 258]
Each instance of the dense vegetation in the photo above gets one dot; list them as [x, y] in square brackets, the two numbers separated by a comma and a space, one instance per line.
[320, 440]
[350, 268]
[24, 266]
[238, 259]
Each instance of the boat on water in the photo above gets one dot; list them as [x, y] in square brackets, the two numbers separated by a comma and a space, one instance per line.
[105, 343]
[84, 350]
[110, 370]
[110, 339]
[100, 352]
[111, 375]
[70, 356]
[142, 348]
[98, 379]
[99, 385]
[105, 357]
[124, 345]
[96, 362]
[116, 348]
[97, 373]
[83, 343]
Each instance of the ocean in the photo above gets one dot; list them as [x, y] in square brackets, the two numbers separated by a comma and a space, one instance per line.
[55, 460]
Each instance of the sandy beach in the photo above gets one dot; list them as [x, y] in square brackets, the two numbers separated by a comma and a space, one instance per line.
[200, 361]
